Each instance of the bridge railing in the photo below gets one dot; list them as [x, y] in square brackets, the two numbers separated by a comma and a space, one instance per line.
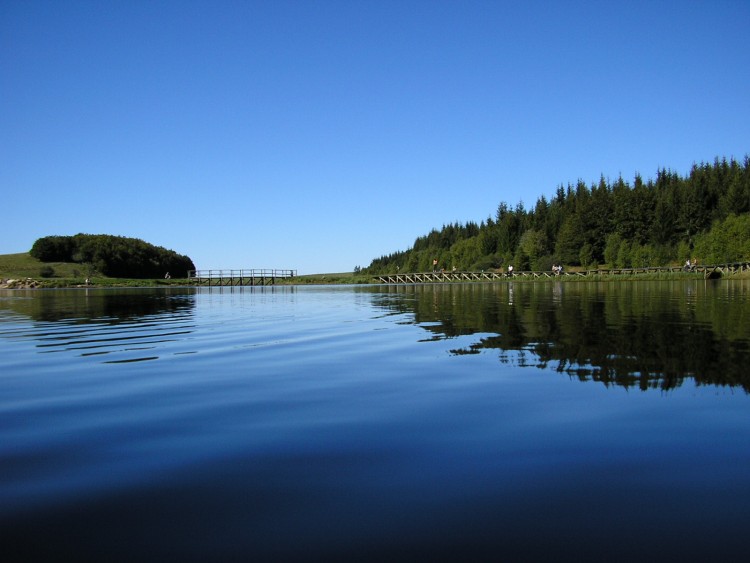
[250, 276]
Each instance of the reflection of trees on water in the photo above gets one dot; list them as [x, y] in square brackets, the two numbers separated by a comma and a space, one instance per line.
[632, 334]
[96, 323]
[82, 305]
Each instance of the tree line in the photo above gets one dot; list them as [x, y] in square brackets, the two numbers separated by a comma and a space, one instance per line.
[704, 216]
[113, 256]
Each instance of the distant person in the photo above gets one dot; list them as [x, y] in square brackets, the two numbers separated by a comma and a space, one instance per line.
[434, 265]
[510, 270]
[167, 276]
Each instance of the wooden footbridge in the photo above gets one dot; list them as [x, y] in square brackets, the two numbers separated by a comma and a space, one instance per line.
[708, 271]
[238, 277]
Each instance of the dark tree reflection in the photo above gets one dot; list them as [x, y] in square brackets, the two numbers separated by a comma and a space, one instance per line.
[116, 305]
[631, 334]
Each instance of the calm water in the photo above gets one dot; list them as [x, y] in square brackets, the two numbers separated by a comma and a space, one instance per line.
[546, 421]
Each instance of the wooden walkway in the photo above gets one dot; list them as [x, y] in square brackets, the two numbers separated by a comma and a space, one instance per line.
[708, 271]
[238, 277]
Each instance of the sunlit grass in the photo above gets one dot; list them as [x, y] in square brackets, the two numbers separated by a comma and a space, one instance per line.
[23, 265]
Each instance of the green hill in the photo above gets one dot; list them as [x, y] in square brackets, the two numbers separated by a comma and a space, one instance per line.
[58, 274]
[23, 265]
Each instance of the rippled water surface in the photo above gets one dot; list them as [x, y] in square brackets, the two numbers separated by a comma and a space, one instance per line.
[526, 421]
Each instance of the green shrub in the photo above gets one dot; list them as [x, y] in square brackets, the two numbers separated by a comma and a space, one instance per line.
[47, 272]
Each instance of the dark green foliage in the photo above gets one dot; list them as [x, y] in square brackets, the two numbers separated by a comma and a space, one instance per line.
[650, 223]
[46, 272]
[113, 256]
[727, 241]
[53, 249]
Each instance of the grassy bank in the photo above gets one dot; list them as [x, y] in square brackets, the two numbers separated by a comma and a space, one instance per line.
[340, 278]
[23, 265]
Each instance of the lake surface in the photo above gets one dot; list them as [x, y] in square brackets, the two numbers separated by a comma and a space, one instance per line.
[508, 421]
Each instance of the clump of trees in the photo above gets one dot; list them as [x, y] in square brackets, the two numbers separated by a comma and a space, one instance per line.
[705, 215]
[113, 256]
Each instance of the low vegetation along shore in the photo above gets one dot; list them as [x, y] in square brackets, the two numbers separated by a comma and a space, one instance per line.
[22, 271]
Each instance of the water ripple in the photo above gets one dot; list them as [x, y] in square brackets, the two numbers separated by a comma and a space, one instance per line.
[100, 336]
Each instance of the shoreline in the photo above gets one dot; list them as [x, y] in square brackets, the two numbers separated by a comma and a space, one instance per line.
[326, 279]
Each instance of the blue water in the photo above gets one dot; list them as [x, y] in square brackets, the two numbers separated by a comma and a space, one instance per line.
[483, 421]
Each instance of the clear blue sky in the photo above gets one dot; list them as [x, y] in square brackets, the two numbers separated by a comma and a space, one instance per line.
[318, 135]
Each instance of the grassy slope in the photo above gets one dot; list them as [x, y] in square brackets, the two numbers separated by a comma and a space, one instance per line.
[23, 265]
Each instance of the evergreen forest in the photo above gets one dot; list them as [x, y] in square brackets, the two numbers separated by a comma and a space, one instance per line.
[113, 256]
[704, 216]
